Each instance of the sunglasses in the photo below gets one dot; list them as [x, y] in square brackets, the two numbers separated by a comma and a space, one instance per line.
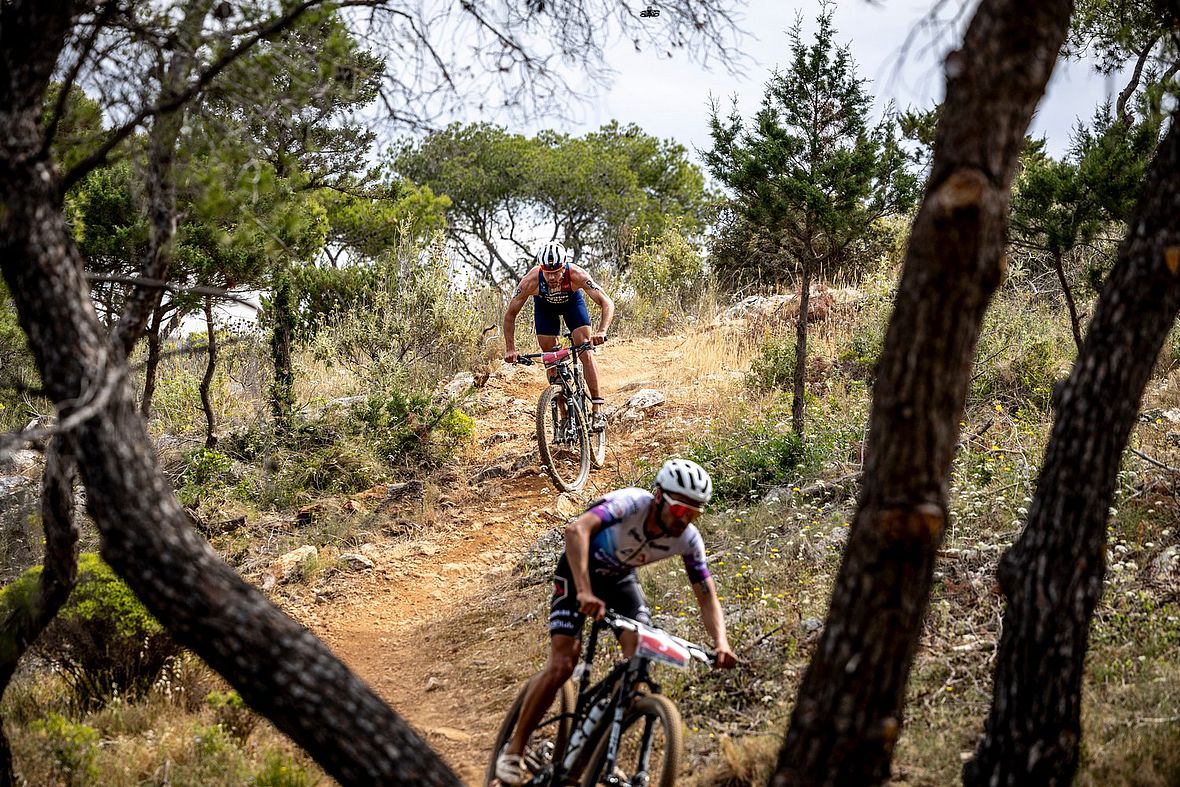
[556, 266]
[682, 510]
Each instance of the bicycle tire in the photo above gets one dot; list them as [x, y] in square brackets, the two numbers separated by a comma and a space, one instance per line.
[668, 739]
[565, 459]
[559, 718]
[597, 439]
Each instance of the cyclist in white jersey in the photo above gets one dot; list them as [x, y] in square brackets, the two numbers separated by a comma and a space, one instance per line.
[619, 532]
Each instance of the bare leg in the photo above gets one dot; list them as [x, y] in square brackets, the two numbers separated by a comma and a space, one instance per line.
[589, 367]
[549, 343]
[563, 655]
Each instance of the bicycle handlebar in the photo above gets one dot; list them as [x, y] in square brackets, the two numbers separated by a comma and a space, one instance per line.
[617, 622]
[527, 360]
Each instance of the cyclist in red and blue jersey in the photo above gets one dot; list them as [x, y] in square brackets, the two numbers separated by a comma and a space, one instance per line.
[556, 284]
[619, 532]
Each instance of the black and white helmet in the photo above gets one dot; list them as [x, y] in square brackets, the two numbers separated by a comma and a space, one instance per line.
[687, 479]
[551, 256]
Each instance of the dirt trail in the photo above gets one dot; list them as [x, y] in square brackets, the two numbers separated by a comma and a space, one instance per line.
[442, 628]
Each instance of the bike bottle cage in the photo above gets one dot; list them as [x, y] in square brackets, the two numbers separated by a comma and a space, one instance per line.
[554, 357]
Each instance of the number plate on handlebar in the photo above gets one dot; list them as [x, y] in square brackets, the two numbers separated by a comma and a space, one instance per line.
[659, 646]
[554, 357]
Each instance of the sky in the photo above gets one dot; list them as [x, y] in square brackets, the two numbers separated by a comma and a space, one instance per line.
[669, 98]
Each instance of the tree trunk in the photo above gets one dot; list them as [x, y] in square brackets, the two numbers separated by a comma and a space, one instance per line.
[1074, 323]
[274, 663]
[152, 365]
[799, 384]
[1053, 575]
[22, 625]
[282, 389]
[849, 710]
[207, 380]
[161, 180]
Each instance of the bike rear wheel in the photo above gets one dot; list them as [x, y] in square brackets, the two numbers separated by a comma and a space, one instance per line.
[564, 443]
[649, 746]
[547, 744]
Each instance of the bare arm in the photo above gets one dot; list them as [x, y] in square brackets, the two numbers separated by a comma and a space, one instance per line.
[578, 533]
[599, 296]
[714, 620]
[526, 288]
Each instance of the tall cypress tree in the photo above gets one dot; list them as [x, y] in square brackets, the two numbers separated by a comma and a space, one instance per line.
[809, 175]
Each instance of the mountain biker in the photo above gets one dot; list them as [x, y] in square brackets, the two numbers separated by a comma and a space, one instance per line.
[555, 285]
[617, 533]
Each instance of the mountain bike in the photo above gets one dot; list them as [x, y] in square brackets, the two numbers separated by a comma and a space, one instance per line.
[612, 732]
[568, 445]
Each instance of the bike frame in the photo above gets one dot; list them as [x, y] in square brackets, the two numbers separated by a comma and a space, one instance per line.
[569, 376]
[619, 684]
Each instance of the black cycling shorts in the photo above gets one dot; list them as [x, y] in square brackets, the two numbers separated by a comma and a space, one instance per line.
[621, 594]
[547, 317]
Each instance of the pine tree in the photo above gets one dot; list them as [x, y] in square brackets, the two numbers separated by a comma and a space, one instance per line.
[809, 175]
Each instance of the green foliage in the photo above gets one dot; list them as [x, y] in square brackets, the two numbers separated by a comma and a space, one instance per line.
[666, 280]
[410, 330]
[809, 176]
[282, 771]
[774, 365]
[17, 368]
[1023, 351]
[1058, 205]
[594, 190]
[748, 457]
[70, 747]
[103, 640]
[410, 430]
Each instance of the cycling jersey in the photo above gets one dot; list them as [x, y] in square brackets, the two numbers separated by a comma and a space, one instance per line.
[564, 293]
[622, 545]
[615, 552]
[551, 306]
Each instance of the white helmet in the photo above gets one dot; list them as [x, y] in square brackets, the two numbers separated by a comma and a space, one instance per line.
[686, 478]
[551, 256]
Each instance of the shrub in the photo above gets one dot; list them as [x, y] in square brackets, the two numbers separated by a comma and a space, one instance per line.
[748, 457]
[665, 279]
[103, 640]
[69, 746]
[774, 365]
[409, 429]
[282, 771]
[233, 715]
[413, 329]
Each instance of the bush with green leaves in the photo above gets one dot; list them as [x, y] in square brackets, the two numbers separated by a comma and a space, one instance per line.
[69, 746]
[412, 329]
[282, 771]
[748, 456]
[103, 641]
[17, 369]
[773, 367]
[665, 280]
[410, 429]
[1023, 351]
[232, 713]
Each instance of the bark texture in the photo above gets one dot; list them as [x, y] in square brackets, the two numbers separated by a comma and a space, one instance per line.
[799, 382]
[849, 710]
[278, 667]
[207, 379]
[1053, 575]
[22, 625]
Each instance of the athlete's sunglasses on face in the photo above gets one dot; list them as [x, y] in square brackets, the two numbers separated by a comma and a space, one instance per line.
[682, 510]
[552, 266]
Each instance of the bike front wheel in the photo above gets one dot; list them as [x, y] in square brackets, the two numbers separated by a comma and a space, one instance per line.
[564, 442]
[649, 746]
[547, 744]
[597, 439]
